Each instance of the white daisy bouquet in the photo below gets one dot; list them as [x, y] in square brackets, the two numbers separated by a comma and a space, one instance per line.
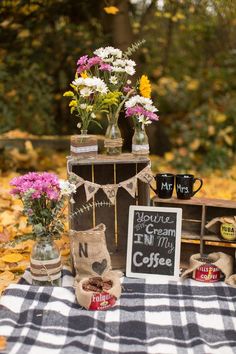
[87, 98]
[115, 69]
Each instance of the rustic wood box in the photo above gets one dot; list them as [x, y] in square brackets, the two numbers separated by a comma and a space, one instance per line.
[197, 212]
[85, 215]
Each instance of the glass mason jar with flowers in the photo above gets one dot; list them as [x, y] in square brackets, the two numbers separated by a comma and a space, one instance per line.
[87, 99]
[43, 196]
[115, 68]
[142, 110]
[119, 69]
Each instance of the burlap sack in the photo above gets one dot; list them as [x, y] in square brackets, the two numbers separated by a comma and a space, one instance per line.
[214, 224]
[84, 298]
[89, 252]
[221, 260]
[231, 280]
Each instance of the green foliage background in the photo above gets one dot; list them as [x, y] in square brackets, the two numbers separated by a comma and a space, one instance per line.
[189, 55]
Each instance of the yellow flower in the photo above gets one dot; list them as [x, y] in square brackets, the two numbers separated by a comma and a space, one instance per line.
[68, 94]
[84, 75]
[145, 86]
[111, 10]
[72, 103]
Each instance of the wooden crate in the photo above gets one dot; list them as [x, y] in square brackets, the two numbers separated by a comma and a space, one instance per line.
[108, 170]
[197, 212]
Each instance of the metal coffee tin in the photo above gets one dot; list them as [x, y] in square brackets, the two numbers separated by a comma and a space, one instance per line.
[102, 301]
[228, 231]
[207, 273]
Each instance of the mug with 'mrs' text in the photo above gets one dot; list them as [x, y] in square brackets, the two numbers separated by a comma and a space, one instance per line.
[184, 185]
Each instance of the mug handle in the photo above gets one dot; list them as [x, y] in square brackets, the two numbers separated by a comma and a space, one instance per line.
[201, 183]
[154, 190]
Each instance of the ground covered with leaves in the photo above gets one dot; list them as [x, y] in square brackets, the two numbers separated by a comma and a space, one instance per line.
[15, 255]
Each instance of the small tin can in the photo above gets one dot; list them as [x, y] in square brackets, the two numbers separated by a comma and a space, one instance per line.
[207, 273]
[102, 301]
[228, 232]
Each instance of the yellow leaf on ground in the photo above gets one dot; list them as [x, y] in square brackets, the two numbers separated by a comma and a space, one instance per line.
[25, 246]
[7, 276]
[7, 218]
[5, 204]
[3, 343]
[19, 268]
[12, 258]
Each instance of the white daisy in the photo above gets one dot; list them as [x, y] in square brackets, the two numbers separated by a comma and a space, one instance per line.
[86, 92]
[108, 54]
[137, 99]
[113, 80]
[130, 70]
[66, 187]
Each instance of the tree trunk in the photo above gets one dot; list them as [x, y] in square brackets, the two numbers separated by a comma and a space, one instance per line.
[122, 32]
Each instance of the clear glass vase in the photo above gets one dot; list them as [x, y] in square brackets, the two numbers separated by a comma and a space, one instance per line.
[83, 145]
[45, 262]
[113, 140]
[140, 144]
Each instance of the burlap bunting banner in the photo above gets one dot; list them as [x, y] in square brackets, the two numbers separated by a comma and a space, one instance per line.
[110, 190]
[90, 189]
[79, 181]
[130, 185]
[145, 175]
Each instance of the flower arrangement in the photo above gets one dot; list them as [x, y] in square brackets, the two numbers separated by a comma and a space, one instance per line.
[103, 84]
[140, 107]
[142, 110]
[87, 98]
[43, 196]
[112, 67]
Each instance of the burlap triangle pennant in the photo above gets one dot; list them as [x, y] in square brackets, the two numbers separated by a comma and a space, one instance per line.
[110, 190]
[145, 175]
[77, 180]
[130, 186]
[90, 189]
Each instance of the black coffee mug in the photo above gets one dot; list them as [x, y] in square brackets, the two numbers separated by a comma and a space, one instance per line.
[164, 185]
[184, 184]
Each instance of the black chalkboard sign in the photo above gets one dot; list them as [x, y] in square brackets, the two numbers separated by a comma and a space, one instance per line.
[154, 238]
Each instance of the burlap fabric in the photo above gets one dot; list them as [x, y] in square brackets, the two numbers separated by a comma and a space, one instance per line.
[231, 280]
[91, 259]
[221, 260]
[89, 252]
[214, 224]
[84, 298]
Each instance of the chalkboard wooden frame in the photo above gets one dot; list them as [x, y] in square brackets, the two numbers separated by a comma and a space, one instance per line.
[176, 262]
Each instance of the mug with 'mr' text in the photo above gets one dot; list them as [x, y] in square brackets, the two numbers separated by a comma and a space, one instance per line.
[164, 185]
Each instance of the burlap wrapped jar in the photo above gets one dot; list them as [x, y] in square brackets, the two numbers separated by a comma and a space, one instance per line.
[222, 261]
[92, 261]
[89, 252]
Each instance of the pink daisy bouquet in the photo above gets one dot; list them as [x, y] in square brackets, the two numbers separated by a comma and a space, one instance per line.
[43, 196]
[142, 110]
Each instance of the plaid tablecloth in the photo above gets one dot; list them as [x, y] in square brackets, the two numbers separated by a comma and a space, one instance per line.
[169, 317]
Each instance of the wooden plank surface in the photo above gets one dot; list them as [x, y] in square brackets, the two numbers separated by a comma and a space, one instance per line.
[105, 159]
[198, 201]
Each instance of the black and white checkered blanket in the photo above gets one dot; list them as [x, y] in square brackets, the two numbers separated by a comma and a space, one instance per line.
[171, 317]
